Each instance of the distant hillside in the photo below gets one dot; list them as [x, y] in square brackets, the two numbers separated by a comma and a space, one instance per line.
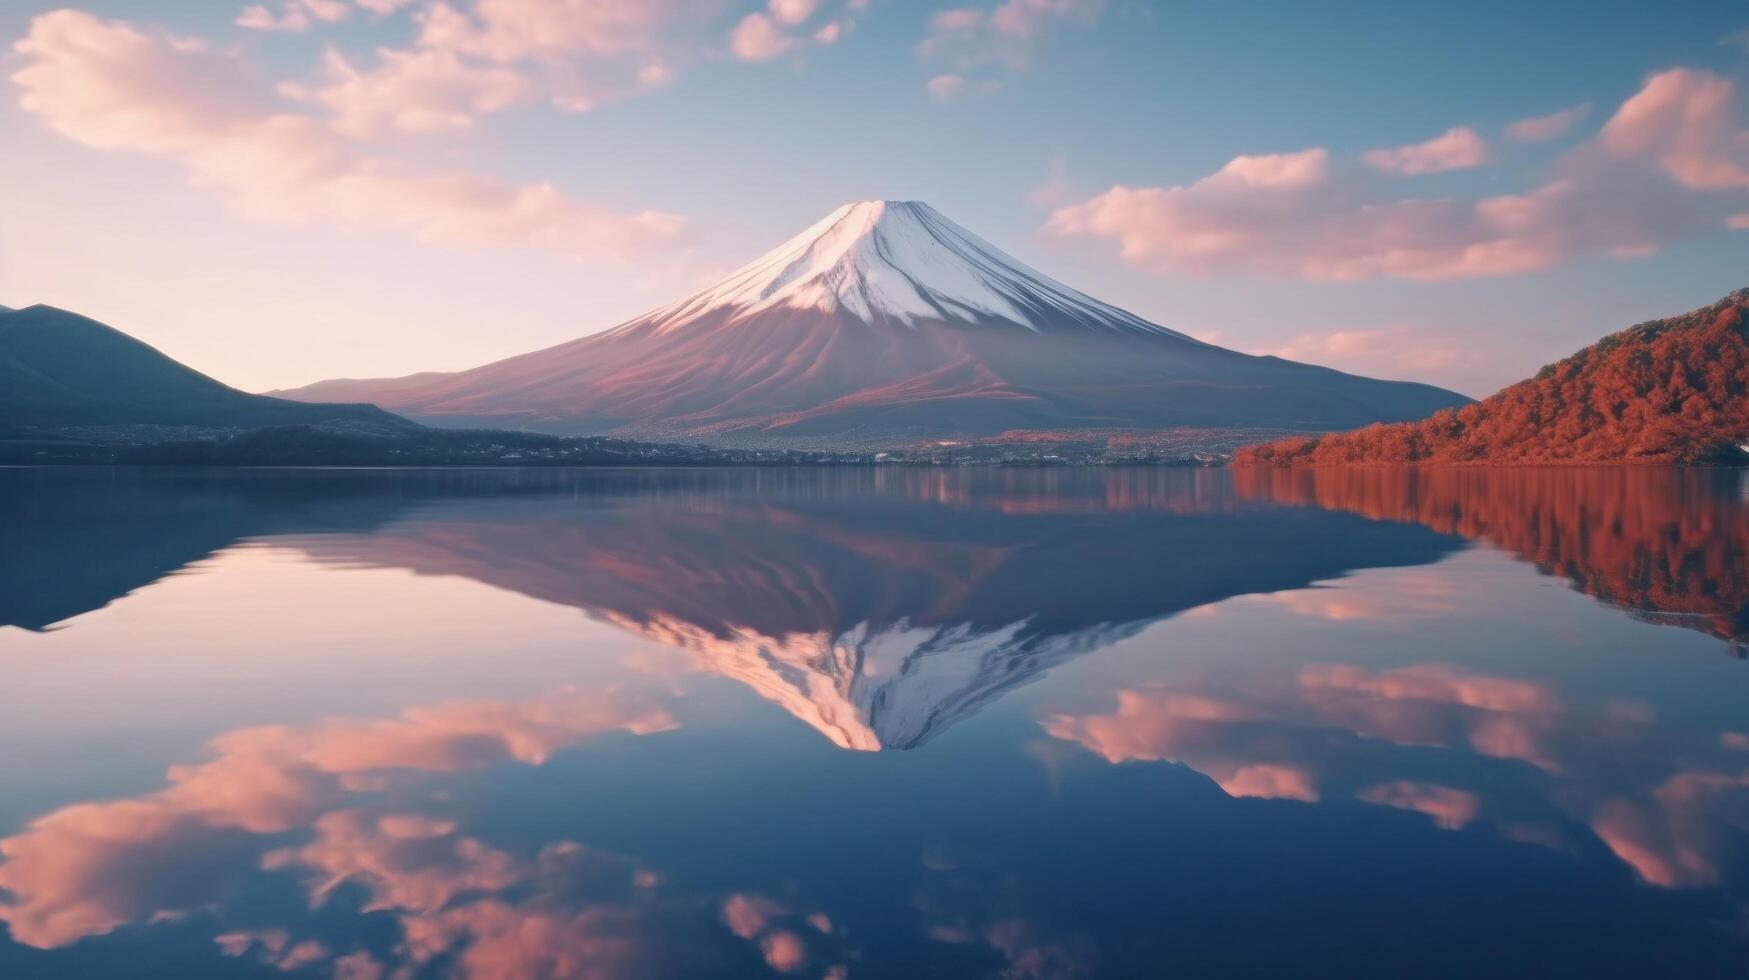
[59, 370]
[1665, 391]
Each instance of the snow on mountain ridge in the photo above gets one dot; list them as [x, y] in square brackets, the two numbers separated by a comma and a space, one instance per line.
[901, 261]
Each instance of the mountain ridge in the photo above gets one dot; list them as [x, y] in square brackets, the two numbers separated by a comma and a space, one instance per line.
[59, 369]
[886, 321]
[1673, 390]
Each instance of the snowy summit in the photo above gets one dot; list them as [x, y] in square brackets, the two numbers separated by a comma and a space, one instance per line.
[899, 261]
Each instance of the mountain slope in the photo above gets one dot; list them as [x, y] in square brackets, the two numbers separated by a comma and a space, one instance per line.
[887, 321]
[1673, 390]
[59, 369]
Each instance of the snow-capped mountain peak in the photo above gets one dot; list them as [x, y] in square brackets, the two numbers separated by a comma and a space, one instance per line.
[899, 261]
[886, 324]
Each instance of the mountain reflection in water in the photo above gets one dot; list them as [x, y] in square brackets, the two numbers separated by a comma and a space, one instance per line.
[884, 611]
[1194, 721]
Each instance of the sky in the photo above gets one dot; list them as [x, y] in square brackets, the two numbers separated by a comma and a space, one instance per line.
[284, 192]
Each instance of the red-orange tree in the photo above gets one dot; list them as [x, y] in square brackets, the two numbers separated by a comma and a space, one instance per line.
[1666, 391]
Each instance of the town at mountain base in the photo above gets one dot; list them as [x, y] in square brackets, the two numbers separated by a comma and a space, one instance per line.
[1665, 391]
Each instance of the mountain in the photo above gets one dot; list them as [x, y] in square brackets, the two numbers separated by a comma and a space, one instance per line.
[1665, 391]
[887, 322]
[60, 370]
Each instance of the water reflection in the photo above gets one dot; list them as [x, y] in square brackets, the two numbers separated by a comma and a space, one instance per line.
[1459, 747]
[876, 607]
[1671, 545]
[888, 609]
[1188, 708]
[342, 809]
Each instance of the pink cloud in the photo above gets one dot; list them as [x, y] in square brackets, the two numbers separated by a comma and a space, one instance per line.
[946, 87]
[293, 16]
[777, 31]
[749, 915]
[791, 13]
[1555, 125]
[1451, 809]
[784, 951]
[507, 31]
[999, 39]
[1434, 682]
[480, 911]
[1271, 782]
[1686, 121]
[1307, 231]
[405, 861]
[419, 91]
[273, 947]
[85, 869]
[757, 918]
[108, 85]
[1413, 595]
[956, 19]
[1458, 148]
[470, 59]
[1677, 837]
[759, 38]
[1238, 742]
[1280, 171]
[1655, 175]
[1672, 804]
[1030, 18]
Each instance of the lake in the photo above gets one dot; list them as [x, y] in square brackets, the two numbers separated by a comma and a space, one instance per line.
[874, 723]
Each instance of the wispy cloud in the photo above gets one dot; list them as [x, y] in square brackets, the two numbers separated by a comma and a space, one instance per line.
[946, 88]
[1387, 351]
[293, 15]
[1458, 148]
[992, 42]
[1553, 126]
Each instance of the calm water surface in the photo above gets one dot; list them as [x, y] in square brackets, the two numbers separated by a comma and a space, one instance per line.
[893, 723]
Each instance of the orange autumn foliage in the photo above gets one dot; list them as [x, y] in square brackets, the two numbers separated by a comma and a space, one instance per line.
[1665, 391]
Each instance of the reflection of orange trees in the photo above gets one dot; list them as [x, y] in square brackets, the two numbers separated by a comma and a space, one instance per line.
[1674, 543]
[1674, 390]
